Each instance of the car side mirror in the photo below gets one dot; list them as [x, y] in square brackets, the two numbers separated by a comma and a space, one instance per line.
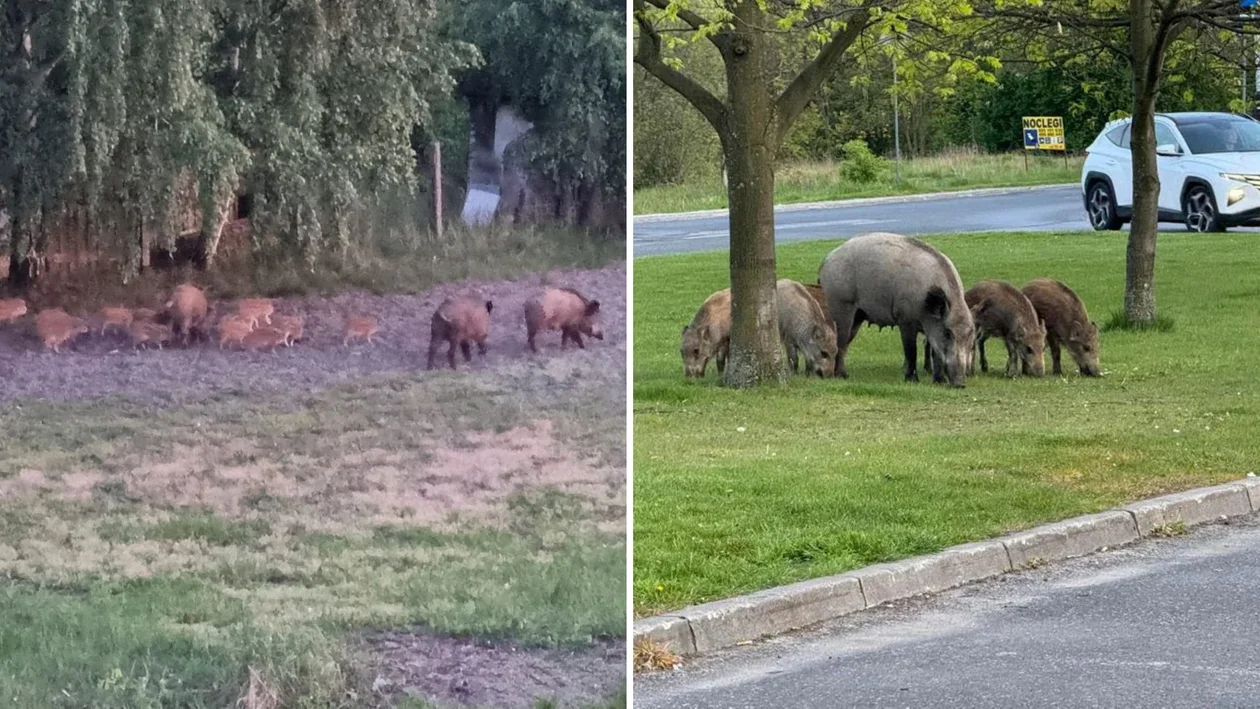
[1168, 150]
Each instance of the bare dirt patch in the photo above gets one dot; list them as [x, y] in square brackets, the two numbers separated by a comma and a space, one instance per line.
[95, 366]
[459, 672]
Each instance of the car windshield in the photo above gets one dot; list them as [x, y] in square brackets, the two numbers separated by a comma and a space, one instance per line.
[1226, 134]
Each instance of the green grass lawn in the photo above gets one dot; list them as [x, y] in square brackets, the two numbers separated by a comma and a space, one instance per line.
[738, 491]
[821, 181]
[153, 557]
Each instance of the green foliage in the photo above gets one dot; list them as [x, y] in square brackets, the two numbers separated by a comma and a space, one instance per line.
[570, 84]
[860, 165]
[310, 107]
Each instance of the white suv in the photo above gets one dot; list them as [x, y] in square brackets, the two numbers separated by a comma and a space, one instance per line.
[1209, 172]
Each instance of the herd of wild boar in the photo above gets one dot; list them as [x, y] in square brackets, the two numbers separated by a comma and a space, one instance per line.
[892, 280]
[254, 324]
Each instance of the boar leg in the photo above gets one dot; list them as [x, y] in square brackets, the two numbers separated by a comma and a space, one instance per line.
[793, 362]
[723, 351]
[910, 343]
[847, 319]
[938, 366]
[481, 348]
[1012, 358]
[467, 350]
[984, 360]
[577, 339]
[1054, 355]
[433, 348]
[450, 353]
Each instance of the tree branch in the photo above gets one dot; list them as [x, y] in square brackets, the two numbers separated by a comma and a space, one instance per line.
[648, 55]
[693, 19]
[798, 93]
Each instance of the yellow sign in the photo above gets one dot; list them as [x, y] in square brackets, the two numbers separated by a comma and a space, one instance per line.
[1044, 133]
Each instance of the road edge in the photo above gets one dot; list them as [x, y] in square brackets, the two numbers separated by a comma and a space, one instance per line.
[734, 621]
[856, 202]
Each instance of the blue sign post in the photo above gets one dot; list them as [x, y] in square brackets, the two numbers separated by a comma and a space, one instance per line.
[1031, 134]
[1248, 4]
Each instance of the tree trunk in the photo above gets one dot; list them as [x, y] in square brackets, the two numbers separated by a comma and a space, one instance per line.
[1139, 281]
[212, 223]
[748, 143]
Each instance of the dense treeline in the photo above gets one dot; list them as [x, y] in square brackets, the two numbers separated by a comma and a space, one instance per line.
[310, 117]
[939, 109]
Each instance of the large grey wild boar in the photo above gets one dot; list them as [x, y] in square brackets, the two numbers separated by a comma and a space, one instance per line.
[1067, 324]
[708, 336]
[889, 279]
[803, 328]
[999, 309]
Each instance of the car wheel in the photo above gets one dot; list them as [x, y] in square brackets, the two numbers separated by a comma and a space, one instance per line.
[1101, 207]
[1200, 210]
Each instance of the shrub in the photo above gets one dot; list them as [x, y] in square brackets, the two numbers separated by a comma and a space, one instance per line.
[860, 165]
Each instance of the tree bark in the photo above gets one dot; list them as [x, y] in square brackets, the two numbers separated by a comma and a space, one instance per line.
[1139, 281]
[749, 138]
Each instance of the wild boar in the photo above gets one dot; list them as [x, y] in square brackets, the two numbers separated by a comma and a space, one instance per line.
[816, 292]
[1067, 324]
[999, 309]
[233, 329]
[187, 309]
[460, 321]
[115, 316]
[263, 338]
[145, 333]
[359, 327]
[11, 309]
[255, 311]
[293, 327]
[143, 315]
[888, 279]
[562, 309]
[708, 336]
[56, 327]
[804, 328]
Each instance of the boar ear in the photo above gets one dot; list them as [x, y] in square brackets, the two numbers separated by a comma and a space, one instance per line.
[592, 307]
[979, 310]
[705, 334]
[936, 304]
[1076, 334]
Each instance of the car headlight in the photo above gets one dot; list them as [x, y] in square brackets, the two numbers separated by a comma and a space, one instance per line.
[1233, 196]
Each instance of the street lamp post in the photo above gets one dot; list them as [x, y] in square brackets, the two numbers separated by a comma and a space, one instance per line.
[896, 122]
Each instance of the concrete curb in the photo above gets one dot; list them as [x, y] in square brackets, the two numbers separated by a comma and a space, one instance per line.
[721, 624]
[856, 202]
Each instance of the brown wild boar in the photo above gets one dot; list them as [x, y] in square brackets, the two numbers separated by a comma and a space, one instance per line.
[460, 321]
[233, 329]
[255, 310]
[263, 338]
[359, 327]
[11, 309]
[145, 333]
[292, 326]
[1002, 310]
[708, 336]
[562, 309]
[1067, 324]
[143, 315]
[55, 327]
[816, 292]
[803, 328]
[115, 316]
[187, 309]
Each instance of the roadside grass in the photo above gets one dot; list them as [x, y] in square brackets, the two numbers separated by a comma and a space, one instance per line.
[155, 556]
[740, 491]
[822, 181]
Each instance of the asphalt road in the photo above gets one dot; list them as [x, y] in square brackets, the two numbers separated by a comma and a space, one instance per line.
[1164, 623]
[1056, 208]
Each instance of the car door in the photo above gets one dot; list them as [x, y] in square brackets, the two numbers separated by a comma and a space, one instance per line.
[1172, 172]
[1120, 169]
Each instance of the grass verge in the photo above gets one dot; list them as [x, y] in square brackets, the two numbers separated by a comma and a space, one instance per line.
[739, 491]
[171, 557]
[821, 181]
